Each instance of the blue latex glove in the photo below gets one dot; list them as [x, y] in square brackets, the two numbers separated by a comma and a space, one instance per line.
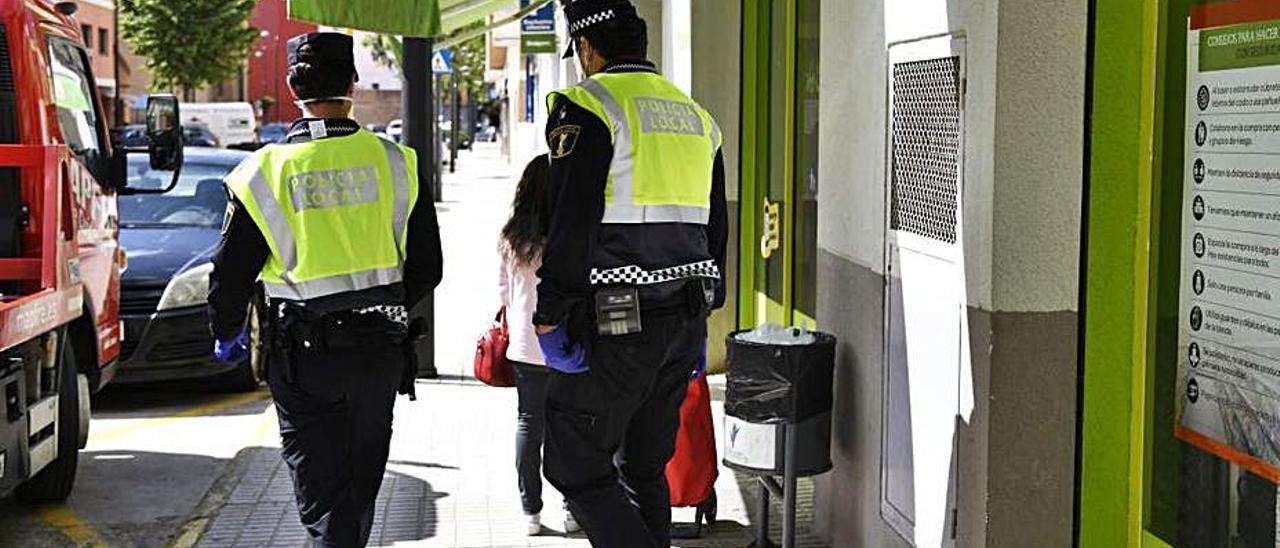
[562, 354]
[233, 351]
[701, 369]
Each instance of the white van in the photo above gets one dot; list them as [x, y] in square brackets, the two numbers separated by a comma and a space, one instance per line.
[233, 123]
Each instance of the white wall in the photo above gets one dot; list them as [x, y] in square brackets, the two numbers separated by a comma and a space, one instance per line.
[853, 100]
[1039, 153]
[677, 43]
[1023, 146]
[716, 74]
[1021, 190]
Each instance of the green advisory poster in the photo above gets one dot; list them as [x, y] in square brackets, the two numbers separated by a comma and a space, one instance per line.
[1228, 386]
[404, 17]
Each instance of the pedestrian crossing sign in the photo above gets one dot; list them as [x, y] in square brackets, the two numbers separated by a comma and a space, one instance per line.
[442, 61]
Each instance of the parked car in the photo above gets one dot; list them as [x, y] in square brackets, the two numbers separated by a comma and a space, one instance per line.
[170, 240]
[274, 132]
[198, 135]
[132, 135]
[193, 134]
[395, 130]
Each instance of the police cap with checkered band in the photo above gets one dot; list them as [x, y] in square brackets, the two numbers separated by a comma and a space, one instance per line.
[584, 14]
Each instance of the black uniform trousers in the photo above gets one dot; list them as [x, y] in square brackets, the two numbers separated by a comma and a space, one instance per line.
[612, 429]
[334, 384]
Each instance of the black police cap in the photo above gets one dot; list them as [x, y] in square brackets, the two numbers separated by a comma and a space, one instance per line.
[584, 14]
[322, 48]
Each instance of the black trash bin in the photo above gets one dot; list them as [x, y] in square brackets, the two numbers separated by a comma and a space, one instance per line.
[778, 418]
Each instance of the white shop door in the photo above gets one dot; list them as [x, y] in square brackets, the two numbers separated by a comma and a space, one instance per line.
[925, 293]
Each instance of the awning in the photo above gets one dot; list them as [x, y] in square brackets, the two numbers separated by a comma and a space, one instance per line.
[403, 17]
[465, 7]
[455, 14]
[425, 18]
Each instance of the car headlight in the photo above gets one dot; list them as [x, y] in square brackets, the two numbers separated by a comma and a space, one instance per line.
[190, 288]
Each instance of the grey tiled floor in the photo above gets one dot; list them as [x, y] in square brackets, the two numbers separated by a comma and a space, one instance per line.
[458, 489]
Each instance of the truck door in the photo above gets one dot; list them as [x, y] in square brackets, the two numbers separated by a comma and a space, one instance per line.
[93, 214]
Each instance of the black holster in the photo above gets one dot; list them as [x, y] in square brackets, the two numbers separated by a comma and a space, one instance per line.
[416, 335]
[297, 332]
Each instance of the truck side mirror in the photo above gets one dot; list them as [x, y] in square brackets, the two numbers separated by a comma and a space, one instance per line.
[164, 146]
[164, 133]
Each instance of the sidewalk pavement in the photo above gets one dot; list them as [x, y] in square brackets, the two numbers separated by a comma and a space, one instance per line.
[451, 478]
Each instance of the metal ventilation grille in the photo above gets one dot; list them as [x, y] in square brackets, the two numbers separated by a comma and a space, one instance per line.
[926, 147]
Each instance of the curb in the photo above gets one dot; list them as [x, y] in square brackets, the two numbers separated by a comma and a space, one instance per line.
[213, 501]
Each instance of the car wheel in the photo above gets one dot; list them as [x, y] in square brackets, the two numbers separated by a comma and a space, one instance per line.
[248, 374]
[53, 483]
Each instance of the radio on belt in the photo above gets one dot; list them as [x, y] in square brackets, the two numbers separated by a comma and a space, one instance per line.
[618, 311]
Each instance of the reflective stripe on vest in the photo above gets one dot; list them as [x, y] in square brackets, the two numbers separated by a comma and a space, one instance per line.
[621, 207]
[358, 186]
[400, 183]
[333, 285]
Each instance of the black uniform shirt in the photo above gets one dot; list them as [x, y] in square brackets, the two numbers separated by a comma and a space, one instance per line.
[579, 171]
[244, 251]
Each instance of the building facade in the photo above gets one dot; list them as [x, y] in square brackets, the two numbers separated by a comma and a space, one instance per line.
[1049, 282]
[265, 74]
[98, 30]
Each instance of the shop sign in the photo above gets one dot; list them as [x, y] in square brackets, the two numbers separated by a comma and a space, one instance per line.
[538, 29]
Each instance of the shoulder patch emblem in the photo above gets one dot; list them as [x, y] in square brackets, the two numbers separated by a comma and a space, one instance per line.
[226, 217]
[562, 140]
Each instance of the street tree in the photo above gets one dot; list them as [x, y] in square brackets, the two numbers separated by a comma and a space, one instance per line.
[189, 44]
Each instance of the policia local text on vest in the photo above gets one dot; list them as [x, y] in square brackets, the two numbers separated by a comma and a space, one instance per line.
[632, 266]
[335, 228]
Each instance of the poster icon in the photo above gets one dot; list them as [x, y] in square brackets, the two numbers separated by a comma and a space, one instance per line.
[1197, 282]
[1193, 390]
[1202, 98]
[1193, 354]
[1197, 207]
[1197, 318]
[1197, 171]
[1202, 134]
[1197, 245]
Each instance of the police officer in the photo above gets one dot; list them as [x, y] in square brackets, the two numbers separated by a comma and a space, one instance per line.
[334, 224]
[631, 269]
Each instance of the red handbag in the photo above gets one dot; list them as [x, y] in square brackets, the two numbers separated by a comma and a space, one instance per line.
[491, 365]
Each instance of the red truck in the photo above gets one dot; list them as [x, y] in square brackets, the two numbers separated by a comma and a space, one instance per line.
[60, 261]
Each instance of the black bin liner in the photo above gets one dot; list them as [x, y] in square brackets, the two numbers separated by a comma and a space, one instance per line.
[777, 384]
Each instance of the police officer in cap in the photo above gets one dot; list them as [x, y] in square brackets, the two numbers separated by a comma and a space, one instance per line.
[631, 268]
[344, 240]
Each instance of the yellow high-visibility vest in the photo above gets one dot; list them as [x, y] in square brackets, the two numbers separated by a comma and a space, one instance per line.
[664, 147]
[335, 212]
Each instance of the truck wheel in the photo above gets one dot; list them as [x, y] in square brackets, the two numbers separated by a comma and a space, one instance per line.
[53, 484]
[248, 374]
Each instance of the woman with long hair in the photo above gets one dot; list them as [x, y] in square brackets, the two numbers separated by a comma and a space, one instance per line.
[521, 249]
